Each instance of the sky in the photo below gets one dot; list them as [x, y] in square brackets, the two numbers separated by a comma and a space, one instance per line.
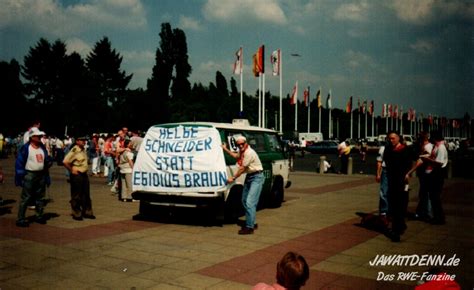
[414, 54]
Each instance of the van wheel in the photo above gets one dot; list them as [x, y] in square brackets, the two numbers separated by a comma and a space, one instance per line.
[277, 193]
[233, 208]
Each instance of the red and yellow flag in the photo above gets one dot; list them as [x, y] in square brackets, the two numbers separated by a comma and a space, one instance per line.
[259, 61]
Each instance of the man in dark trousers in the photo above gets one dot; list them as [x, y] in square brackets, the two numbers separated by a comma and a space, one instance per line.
[31, 173]
[77, 164]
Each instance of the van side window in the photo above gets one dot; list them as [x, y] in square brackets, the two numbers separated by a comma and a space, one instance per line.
[256, 141]
[273, 143]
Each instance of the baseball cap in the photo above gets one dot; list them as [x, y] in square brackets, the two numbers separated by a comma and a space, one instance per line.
[36, 132]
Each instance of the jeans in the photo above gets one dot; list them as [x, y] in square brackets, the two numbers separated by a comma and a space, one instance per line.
[96, 165]
[109, 164]
[383, 200]
[251, 195]
[34, 187]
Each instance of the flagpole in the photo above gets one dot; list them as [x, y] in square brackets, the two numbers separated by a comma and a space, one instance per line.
[329, 126]
[264, 125]
[281, 91]
[296, 114]
[352, 123]
[319, 107]
[309, 111]
[296, 107]
[241, 81]
[401, 125]
[358, 123]
[373, 118]
[259, 100]
[365, 121]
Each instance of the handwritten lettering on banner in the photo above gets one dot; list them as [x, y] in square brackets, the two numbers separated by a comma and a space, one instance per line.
[180, 159]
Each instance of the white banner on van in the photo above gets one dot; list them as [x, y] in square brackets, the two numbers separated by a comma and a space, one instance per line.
[180, 159]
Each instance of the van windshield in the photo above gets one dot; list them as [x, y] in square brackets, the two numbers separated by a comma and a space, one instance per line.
[256, 141]
[273, 143]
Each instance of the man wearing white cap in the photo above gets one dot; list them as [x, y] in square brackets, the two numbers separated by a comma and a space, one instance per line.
[249, 163]
[31, 173]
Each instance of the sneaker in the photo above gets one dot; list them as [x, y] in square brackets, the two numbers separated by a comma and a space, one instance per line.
[22, 224]
[32, 207]
[246, 231]
[77, 218]
[89, 216]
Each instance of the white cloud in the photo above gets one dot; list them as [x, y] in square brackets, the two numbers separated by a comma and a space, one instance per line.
[422, 46]
[211, 67]
[356, 60]
[242, 11]
[425, 11]
[77, 45]
[189, 23]
[49, 16]
[352, 11]
[417, 12]
[133, 56]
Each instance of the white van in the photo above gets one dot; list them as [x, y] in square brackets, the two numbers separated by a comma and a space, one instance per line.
[192, 172]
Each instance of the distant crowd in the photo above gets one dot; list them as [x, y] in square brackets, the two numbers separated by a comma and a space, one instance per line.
[109, 156]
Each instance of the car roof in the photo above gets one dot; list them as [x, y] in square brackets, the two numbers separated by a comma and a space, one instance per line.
[229, 126]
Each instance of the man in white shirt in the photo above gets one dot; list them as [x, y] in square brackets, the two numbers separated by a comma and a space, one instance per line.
[437, 162]
[31, 173]
[249, 163]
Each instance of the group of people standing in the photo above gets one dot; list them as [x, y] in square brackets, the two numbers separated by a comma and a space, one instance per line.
[34, 160]
[395, 164]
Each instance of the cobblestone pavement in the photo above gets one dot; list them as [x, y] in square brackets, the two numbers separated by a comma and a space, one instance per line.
[318, 220]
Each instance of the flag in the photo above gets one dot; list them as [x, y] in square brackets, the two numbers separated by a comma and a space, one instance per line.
[349, 105]
[390, 111]
[364, 107]
[259, 61]
[238, 62]
[306, 96]
[371, 108]
[275, 61]
[401, 113]
[384, 111]
[413, 116]
[395, 112]
[294, 94]
[328, 101]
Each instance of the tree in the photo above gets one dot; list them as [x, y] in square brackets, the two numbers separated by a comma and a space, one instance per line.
[13, 89]
[43, 70]
[170, 75]
[104, 65]
[180, 88]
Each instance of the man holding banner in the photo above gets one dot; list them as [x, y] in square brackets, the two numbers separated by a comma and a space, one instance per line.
[249, 163]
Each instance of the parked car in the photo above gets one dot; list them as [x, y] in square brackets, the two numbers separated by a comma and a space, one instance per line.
[323, 147]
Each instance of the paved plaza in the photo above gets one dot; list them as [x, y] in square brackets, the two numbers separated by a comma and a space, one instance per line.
[318, 220]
